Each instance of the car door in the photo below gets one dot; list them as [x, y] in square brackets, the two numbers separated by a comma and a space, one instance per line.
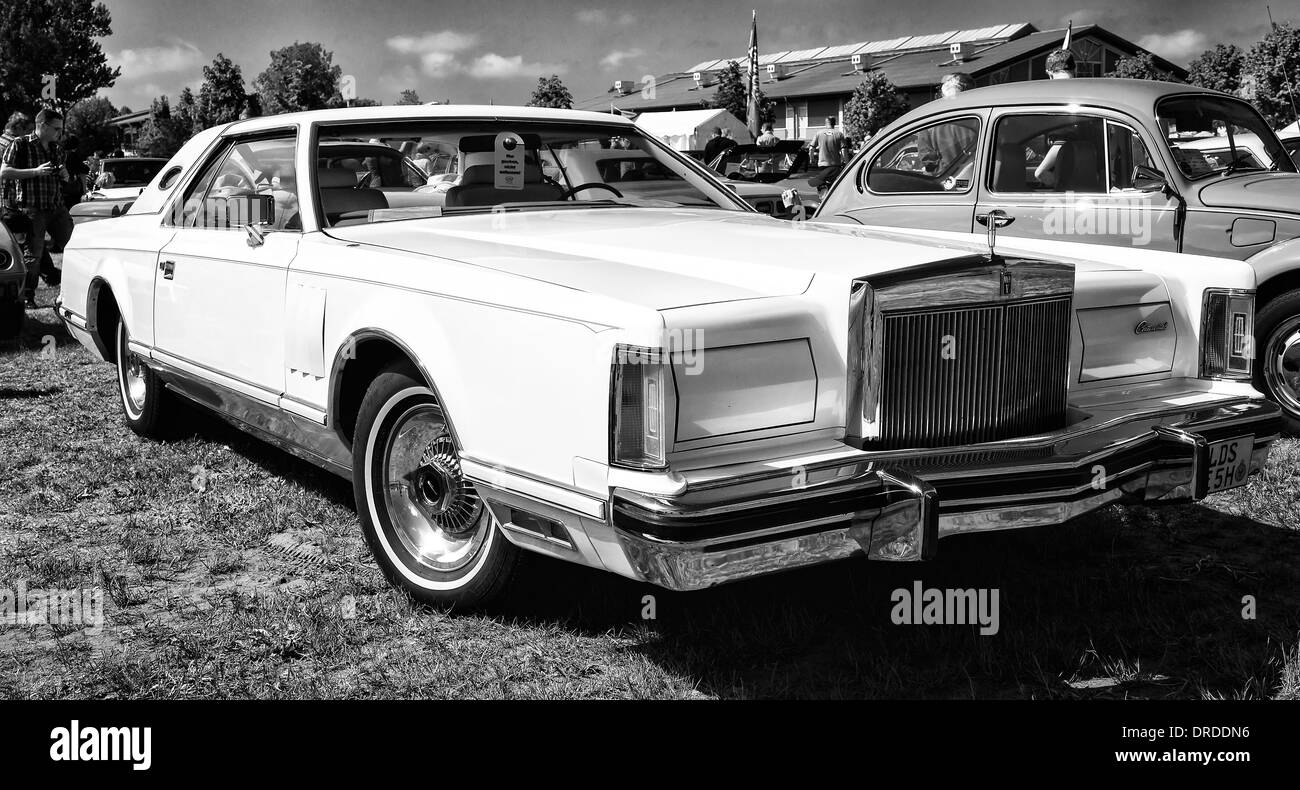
[219, 295]
[1073, 176]
[922, 177]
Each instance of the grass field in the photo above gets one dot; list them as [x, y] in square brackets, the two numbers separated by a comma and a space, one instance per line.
[232, 570]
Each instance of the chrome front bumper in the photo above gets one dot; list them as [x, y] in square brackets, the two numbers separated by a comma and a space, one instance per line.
[884, 506]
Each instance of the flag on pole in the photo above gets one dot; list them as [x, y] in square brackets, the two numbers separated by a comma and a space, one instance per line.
[752, 110]
[1069, 29]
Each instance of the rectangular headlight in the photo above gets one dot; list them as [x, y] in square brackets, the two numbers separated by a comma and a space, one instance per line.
[637, 396]
[1227, 334]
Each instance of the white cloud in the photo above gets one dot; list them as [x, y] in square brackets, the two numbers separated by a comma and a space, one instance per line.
[616, 58]
[1182, 45]
[494, 67]
[427, 43]
[437, 51]
[147, 61]
[599, 16]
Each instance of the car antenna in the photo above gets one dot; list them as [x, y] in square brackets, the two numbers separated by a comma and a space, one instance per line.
[1290, 82]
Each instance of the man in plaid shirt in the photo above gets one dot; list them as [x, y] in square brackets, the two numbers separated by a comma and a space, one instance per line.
[36, 163]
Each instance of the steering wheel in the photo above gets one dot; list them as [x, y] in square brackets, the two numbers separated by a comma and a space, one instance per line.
[569, 193]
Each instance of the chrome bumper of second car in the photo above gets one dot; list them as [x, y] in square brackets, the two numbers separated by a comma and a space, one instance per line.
[887, 509]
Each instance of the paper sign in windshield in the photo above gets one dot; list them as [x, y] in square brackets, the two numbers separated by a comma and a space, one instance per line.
[509, 161]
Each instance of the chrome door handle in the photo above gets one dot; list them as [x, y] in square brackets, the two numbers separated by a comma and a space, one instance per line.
[168, 269]
[1000, 218]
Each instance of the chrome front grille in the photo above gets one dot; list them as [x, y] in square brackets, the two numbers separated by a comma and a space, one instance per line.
[978, 374]
[972, 354]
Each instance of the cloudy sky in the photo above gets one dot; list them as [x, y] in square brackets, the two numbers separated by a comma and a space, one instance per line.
[494, 50]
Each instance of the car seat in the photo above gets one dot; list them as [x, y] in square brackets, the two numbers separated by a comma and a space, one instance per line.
[340, 195]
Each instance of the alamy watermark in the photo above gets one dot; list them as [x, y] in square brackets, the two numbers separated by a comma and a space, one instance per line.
[1114, 216]
[73, 607]
[934, 606]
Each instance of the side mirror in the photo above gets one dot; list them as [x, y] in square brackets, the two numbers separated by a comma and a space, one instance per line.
[1148, 179]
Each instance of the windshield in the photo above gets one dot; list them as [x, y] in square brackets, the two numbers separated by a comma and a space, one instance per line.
[131, 173]
[498, 165]
[1210, 135]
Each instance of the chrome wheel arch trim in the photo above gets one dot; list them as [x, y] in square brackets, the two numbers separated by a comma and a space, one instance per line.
[338, 366]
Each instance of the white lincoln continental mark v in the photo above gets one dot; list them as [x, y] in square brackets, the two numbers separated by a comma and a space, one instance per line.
[549, 353]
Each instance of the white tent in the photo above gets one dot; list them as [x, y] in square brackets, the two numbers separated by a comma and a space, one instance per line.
[689, 130]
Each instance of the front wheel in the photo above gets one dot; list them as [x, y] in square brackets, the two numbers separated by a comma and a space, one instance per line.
[430, 531]
[1278, 365]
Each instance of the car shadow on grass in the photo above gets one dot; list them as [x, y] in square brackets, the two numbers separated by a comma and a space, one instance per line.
[43, 332]
[1133, 602]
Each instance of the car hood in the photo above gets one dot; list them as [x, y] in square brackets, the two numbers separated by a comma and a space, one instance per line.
[660, 258]
[1255, 191]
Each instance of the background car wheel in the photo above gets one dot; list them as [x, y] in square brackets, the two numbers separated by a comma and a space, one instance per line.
[147, 406]
[1277, 364]
[427, 526]
[12, 316]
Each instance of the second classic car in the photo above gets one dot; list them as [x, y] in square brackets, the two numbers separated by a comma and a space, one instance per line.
[12, 273]
[661, 383]
[1133, 163]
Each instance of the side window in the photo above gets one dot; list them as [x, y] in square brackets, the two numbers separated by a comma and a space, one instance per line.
[242, 169]
[1125, 151]
[938, 158]
[1049, 153]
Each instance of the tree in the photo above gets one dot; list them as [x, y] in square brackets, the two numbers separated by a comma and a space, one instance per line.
[161, 135]
[88, 119]
[185, 116]
[57, 37]
[874, 104]
[1273, 65]
[550, 92]
[1137, 67]
[409, 96]
[221, 97]
[301, 76]
[732, 95]
[1217, 69]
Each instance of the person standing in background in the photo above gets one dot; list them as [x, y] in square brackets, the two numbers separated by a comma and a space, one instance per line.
[1060, 65]
[714, 146]
[767, 139]
[36, 162]
[19, 124]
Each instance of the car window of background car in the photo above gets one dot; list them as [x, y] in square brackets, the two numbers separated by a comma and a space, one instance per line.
[1049, 152]
[1190, 119]
[132, 174]
[1124, 152]
[937, 158]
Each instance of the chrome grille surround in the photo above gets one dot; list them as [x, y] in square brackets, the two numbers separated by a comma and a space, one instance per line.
[1011, 321]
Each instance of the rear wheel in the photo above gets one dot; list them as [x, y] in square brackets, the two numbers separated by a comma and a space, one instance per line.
[430, 531]
[147, 406]
[1278, 365]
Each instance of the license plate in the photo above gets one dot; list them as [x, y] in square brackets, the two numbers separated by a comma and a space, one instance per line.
[1229, 463]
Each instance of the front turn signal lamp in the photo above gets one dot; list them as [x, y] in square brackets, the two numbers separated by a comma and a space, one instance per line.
[639, 377]
[1227, 334]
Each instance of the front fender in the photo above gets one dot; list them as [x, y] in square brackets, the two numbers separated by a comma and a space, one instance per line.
[1280, 260]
